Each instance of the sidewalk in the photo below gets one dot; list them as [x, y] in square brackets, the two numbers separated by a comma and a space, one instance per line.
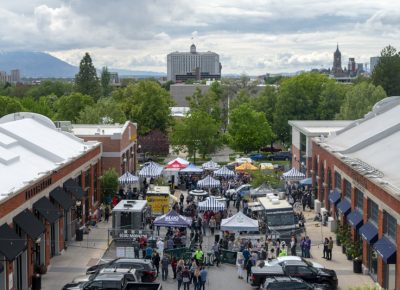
[77, 258]
[339, 262]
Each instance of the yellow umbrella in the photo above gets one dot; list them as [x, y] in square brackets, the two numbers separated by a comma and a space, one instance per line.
[246, 167]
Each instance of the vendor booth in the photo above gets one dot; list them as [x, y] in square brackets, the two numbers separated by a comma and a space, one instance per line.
[151, 170]
[246, 167]
[159, 199]
[173, 219]
[239, 223]
[191, 169]
[171, 171]
[224, 172]
[208, 182]
[293, 175]
[211, 203]
[210, 165]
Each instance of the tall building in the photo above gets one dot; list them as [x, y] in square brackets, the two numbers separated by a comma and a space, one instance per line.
[373, 62]
[337, 62]
[351, 66]
[15, 76]
[182, 66]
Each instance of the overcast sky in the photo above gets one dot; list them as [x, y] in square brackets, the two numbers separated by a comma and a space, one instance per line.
[251, 37]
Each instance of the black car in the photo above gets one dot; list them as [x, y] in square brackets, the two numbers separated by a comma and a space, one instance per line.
[280, 156]
[277, 283]
[310, 274]
[144, 268]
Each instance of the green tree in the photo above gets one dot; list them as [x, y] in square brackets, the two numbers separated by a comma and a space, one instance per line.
[248, 129]
[86, 81]
[198, 132]
[387, 72]
[41, 106]
[105, 111]
[266, 102]
[207, 102]
[105, 81]
[109, 182]
[146, 103]
[9, 105]
[331, 99]
[359, 100]
[47, 87]
[68, 107]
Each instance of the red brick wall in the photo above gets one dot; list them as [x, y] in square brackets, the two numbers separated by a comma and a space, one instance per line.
[111, 162]
[296, 160]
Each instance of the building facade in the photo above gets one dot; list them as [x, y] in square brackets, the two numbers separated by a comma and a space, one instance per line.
[119, 144]
[49, 184]
[357, 177]
[302, 134]
[182, 66]
[373, 61]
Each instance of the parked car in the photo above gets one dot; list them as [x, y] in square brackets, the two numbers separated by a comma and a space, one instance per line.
[298, 269]
[277, 283]
[144, 268]
[280, 156]
[270, 149]
[242, 190]
[280, 260]
[258, 157]
[104, 279]
[143, 286]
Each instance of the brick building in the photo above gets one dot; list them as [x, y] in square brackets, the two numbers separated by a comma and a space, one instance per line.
[356, 173]
[302, 134]
[48, 183]
[119, 144]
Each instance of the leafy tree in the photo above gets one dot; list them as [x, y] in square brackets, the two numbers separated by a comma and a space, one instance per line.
[387, 72]
[242, 97]
[359, 100]
[331, 99]
[105, 111]
[207, 102]
[68, 107]
[146, 103]
[265, 102]
[167, 85]
[109, 182]
[41, 106]
[9, 105]
[198, 132]
[248, 129]
[46, 88]
[105, 82]
[86, 81]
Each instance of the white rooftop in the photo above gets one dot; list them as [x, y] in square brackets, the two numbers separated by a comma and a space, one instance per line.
[99, 130]
[130, 205]
[316, 128]
[371, 145]
[31, 147]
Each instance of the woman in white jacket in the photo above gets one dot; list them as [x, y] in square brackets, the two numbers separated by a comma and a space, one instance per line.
[240, 265]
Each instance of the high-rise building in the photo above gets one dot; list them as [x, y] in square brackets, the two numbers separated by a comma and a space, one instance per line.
[373, 62]
[15, 76]
[337, 62]
[195, 65]
[351, 66]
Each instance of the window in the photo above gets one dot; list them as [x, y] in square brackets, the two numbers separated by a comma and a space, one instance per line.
[389, 225]
[304, 271]
[373, 211]
[347, 189]
[338, 181]
[322, 172]
[359, 199]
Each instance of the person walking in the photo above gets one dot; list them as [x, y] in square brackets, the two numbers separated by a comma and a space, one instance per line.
[203, 278]
[217, 253]
[136, 247]
[179, 271]
[212, 224]
[307, 247]
[325, 249]
[106, 213]
[174, 264]
[302, 247]
[293, 246]
[283, 250]
[330, 247]
[198, 255]
[239, 264]
[149, 252]
[196, 279]
[248, 266]
[156, 262]
[160, 246]
[164, 267]
[186, 278]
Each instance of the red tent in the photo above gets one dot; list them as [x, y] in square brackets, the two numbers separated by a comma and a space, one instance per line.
[175, 165]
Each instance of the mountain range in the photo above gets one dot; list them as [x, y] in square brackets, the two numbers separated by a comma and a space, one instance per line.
[43, 65]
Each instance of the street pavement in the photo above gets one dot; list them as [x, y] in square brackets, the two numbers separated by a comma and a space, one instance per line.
[80, 255]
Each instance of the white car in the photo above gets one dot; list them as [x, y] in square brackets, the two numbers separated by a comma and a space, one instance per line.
[279, 260]
[241, 190]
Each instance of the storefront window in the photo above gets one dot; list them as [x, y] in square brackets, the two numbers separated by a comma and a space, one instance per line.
[359, 200]
[347, 189]
[338, 181]
[372, 262]
[373, 212]
[389, 226]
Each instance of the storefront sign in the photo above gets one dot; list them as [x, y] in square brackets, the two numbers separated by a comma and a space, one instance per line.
[159, 203]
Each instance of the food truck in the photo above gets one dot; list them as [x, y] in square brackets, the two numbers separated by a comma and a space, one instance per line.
[130, 215]
[159, 199]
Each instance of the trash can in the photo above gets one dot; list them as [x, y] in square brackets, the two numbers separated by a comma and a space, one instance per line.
[36, 282]
[79, 235]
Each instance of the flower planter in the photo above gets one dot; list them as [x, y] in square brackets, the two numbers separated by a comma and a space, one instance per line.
[357, 266]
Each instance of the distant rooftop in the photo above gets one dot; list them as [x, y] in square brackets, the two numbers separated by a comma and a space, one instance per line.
[98, 130]
[317, 128]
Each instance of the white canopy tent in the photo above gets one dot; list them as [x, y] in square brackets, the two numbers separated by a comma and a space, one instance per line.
[128, 178]
[239, 222]
[191, 168]
[208, 182]
[293, 175]
[151, 169]
[224, 172]
[210, 165]
[211, 204]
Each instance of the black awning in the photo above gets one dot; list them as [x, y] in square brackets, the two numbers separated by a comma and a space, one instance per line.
[387, 250]
[62, 198]
[11, 245]
[27, 221]
[334, 196]
[355, 219]
[344, 207]
[47, 209]
[369, 232]
[71, 186]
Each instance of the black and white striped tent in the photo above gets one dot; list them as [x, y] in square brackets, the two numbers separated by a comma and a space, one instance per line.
[151, 169]
[293, 175]
[211, 204]
[224, 172]
[208, 182]
[128, 178]
[210, 165]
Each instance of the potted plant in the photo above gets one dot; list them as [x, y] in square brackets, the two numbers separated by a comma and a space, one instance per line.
[338, 237]
[356, 255]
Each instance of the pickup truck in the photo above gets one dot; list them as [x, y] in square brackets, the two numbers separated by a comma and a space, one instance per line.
[298, 269]
[142, 286]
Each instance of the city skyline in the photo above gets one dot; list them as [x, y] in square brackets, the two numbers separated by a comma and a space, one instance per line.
[266, 36]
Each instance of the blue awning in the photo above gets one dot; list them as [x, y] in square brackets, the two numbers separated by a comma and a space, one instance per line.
[387, 250]
[334, 196]
[369, 232]
[344, 207]
[355, 219]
